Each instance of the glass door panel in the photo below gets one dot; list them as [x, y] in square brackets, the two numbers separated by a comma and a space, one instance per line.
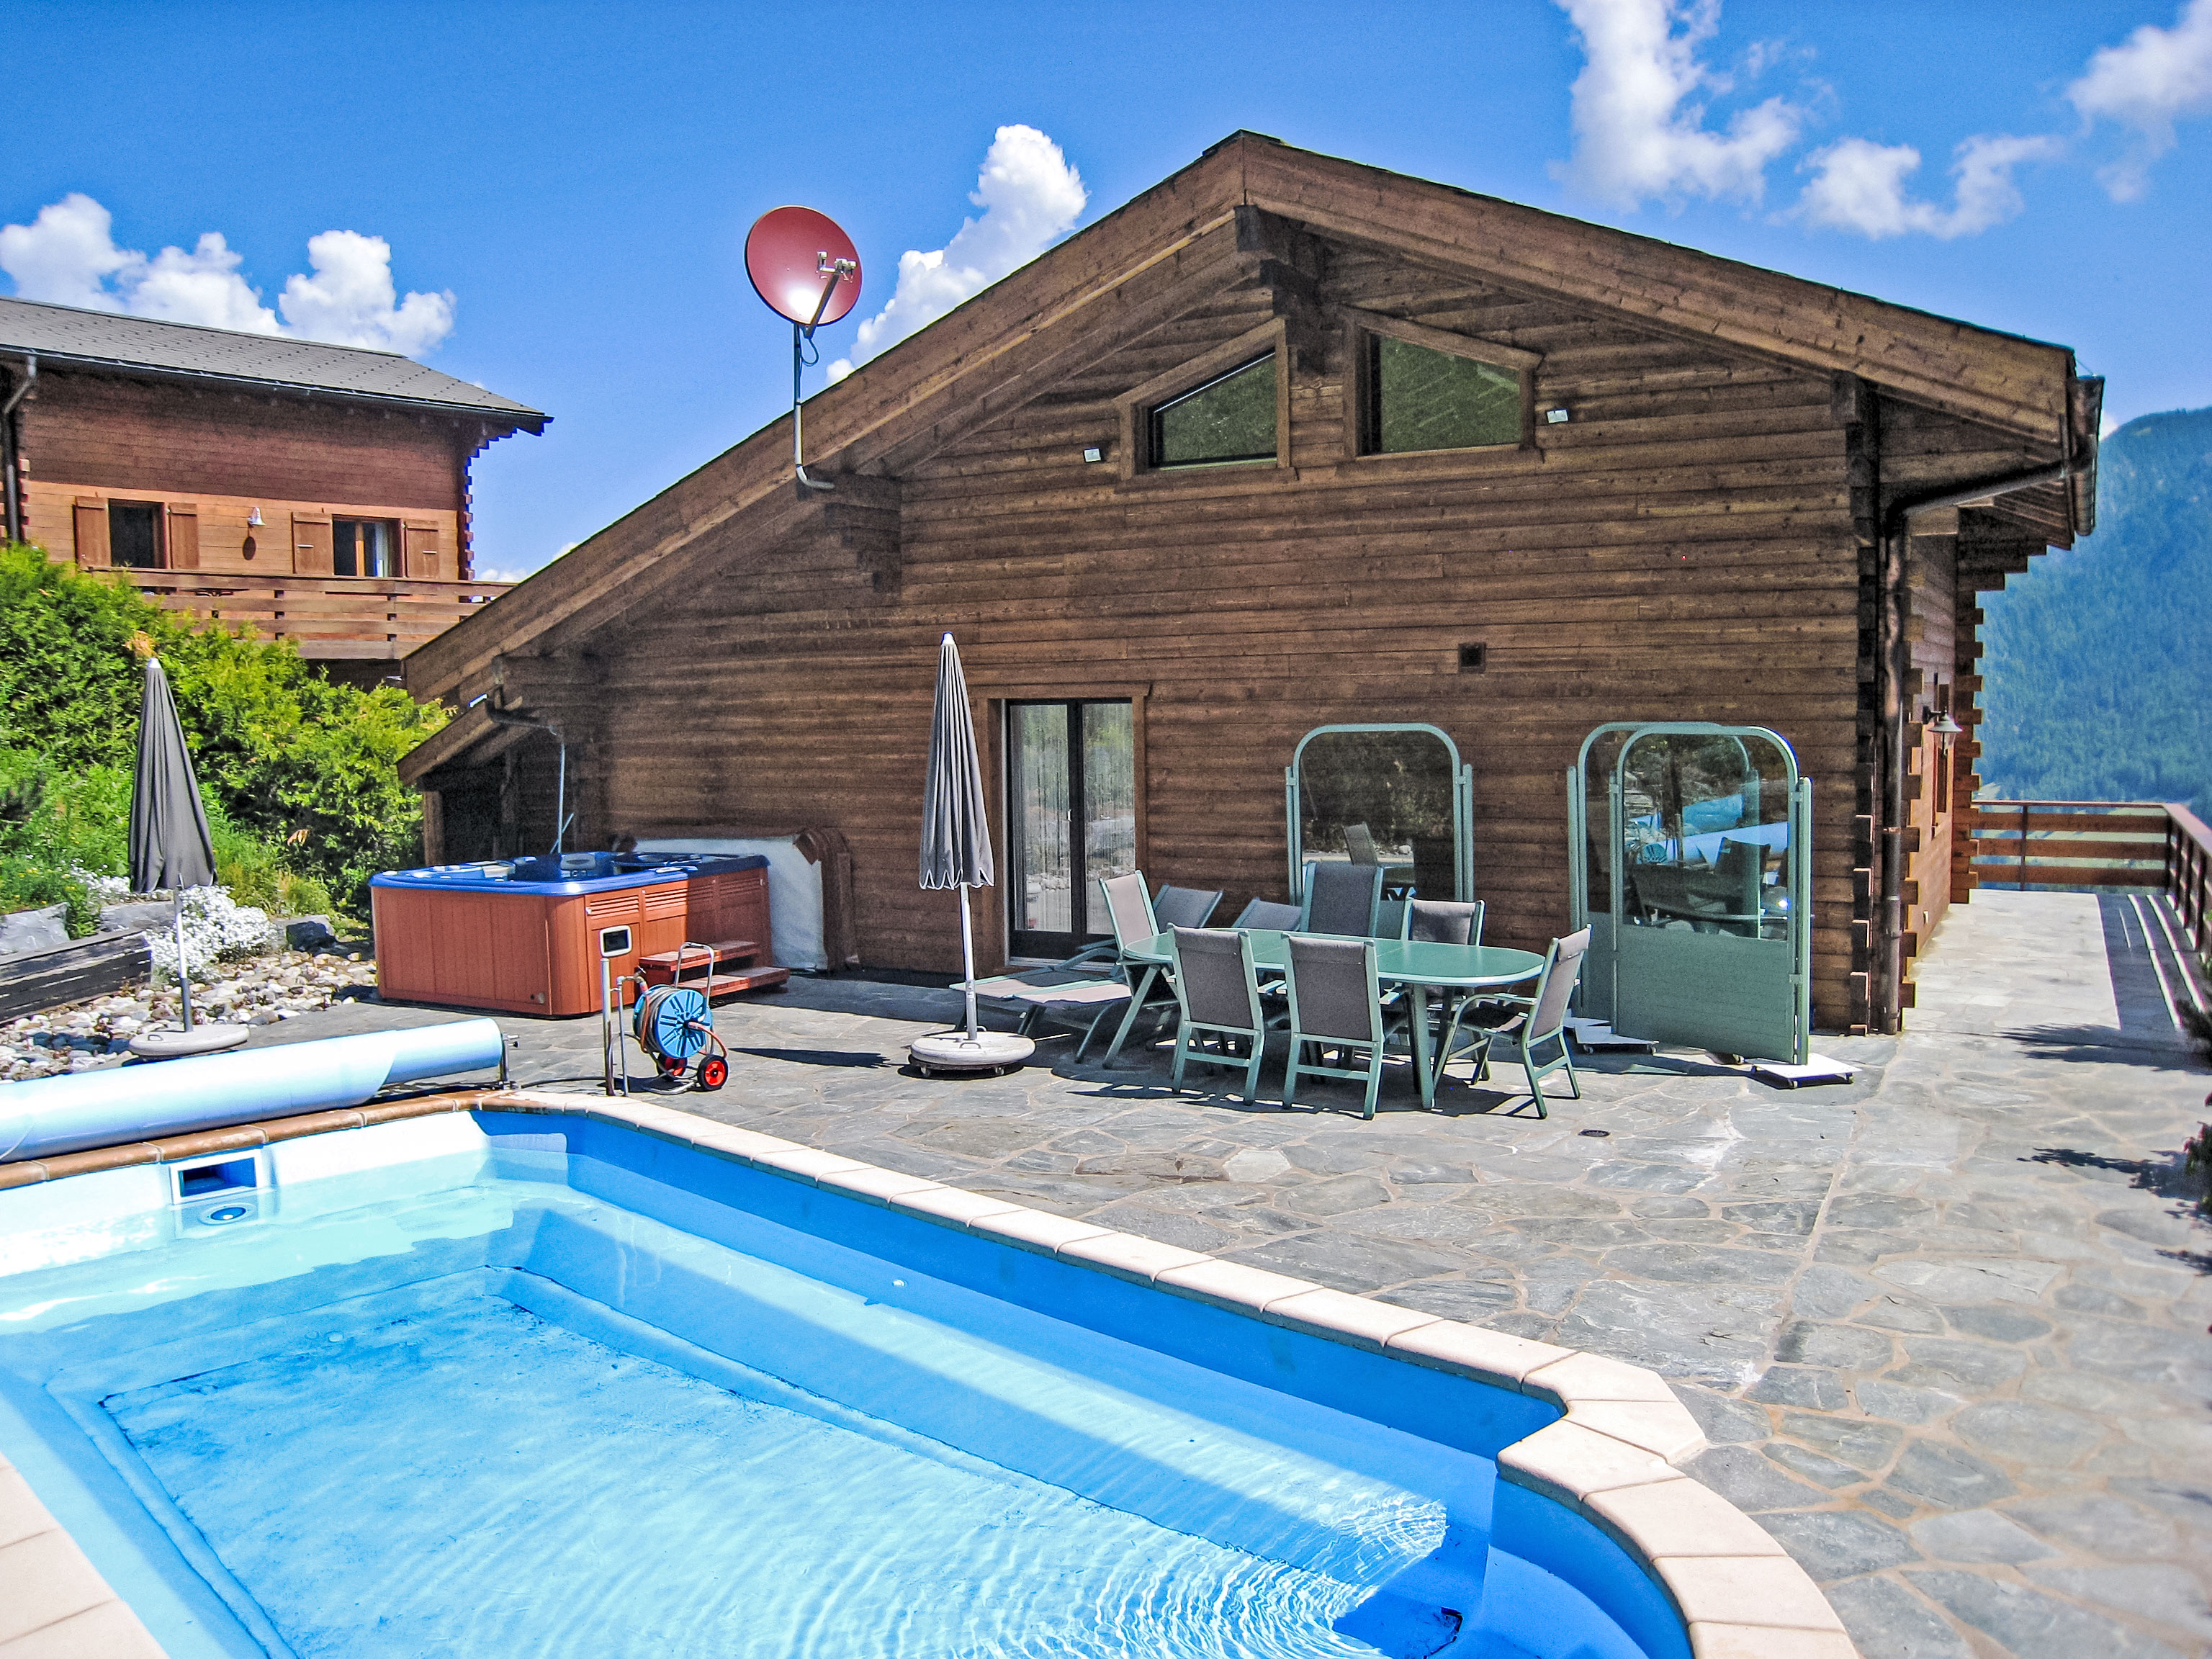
[1071, 783]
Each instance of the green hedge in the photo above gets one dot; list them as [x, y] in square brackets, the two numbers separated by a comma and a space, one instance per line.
[299, 772]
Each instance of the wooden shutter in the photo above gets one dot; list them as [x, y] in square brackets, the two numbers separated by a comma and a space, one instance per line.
[419, 555]
[91, 532]
[310, 545]
[183, 536]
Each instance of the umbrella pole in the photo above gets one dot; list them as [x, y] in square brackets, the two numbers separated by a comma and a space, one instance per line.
[967, 959]
[183, 972]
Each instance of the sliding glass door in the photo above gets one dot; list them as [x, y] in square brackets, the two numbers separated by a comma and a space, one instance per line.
[1071, 817]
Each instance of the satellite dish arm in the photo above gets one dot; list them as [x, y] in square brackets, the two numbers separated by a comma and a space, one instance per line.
[833, 271]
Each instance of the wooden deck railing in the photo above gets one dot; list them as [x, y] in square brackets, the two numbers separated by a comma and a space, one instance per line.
[326, 616]
[2100, 843]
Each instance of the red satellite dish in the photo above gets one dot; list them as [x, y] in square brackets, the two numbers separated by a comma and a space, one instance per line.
[803, 265]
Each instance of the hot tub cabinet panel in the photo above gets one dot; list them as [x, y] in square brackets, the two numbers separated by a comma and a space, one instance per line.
[526, 941]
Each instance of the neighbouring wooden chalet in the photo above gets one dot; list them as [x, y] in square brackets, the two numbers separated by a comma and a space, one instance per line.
[1286, 441]
[319, 493]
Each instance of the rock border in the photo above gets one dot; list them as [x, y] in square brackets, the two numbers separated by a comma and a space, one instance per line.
[1611, 1458]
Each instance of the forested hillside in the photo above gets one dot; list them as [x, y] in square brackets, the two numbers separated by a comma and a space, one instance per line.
[2099, 659]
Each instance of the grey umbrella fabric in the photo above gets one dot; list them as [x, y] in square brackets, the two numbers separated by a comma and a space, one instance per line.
[169, 844]
[956, 836]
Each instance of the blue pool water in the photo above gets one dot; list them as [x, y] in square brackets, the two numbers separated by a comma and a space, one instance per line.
[494, 1390]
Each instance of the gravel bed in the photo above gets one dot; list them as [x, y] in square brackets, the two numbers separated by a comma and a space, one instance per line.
[259, 991]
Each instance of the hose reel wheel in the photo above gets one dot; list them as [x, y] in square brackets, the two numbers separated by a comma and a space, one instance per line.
[673, 1023]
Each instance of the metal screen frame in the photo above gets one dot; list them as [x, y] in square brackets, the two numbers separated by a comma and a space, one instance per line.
[1462, 806]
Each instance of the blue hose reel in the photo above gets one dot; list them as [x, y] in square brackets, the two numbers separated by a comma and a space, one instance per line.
[675, 1025]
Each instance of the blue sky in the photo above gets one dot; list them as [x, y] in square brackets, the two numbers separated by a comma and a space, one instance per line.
[578, 180]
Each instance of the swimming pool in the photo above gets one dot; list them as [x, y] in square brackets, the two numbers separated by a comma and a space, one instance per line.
[543, 1381]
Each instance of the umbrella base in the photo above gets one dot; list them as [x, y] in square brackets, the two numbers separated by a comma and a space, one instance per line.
[952, 1053]
[172, 1044]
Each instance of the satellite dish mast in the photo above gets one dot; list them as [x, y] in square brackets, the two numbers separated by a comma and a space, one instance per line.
[808, 270]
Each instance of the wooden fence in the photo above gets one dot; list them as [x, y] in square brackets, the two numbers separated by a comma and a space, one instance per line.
[328, 617]
[2101, 843]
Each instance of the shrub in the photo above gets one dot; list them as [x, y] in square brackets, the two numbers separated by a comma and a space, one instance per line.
[302, 768]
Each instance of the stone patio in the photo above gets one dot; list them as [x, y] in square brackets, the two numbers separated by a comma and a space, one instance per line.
[1945, 1327]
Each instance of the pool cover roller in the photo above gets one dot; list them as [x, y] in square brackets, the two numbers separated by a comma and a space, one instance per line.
[211, 1091]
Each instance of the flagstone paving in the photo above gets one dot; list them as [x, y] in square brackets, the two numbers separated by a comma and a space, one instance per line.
[1945, 1327]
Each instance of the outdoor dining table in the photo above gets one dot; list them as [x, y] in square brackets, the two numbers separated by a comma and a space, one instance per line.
[1420, 966]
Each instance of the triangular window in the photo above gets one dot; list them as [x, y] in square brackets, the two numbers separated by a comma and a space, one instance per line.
[1230, 418]
[1419, 398]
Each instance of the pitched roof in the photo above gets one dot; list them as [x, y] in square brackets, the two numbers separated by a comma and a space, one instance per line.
[1178, 244]
[104, 339]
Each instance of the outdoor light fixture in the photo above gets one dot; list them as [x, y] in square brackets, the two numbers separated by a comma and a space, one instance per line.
[1943, 728]
[253, 518]
[1555, 417]
[1092, 452]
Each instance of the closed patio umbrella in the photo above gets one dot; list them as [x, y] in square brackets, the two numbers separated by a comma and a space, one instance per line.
[170, 847]
[955, 852]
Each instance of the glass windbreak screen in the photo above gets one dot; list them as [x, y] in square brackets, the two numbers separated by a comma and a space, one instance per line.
[1423, 399]
[1381, 798]
[1229, 419]
[1705, 834]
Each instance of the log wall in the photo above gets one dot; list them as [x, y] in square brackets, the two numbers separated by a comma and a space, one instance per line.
[1687, 546]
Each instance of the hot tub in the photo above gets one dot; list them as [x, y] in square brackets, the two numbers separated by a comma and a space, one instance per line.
[538, 1378]
[523, 935]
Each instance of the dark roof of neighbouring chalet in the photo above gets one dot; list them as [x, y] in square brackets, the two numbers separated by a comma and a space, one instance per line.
[1177, 244]
[147, 346]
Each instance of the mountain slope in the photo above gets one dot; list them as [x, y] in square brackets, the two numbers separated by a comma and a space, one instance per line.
[2099, 659]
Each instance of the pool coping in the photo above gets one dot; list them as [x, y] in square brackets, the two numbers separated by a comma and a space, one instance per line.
[1611, 1458]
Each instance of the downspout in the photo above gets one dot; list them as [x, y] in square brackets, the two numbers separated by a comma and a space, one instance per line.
[9, 465]
[1896, 542]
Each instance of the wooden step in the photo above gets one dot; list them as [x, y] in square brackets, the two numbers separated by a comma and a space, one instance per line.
[660, 968]
[728, 985]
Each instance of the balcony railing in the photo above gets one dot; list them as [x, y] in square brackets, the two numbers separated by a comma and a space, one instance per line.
[2100, 843]
[327, 618]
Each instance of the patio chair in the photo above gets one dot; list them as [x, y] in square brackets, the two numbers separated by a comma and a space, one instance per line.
[1219, 995]
[1434, 921]
[1359, 844]
[1268, 916]
[1129, 913]
[1341, 898]
[1335, 1003]
[1542, 1026]
[1184, 907]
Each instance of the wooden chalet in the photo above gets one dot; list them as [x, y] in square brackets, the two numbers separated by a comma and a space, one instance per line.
[317, 493]
[1177, 478]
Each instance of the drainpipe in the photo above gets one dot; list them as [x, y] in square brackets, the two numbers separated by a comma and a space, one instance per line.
[8, 462]
[1896, 540]
[500, 717]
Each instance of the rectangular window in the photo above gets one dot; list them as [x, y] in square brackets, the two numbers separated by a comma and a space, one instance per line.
[1071, 784]
[364, 547]
[1419, 398]
[1231, 418]
[134, 535]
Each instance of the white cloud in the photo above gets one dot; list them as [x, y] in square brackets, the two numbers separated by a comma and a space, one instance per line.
[67, 255]
[351, 300]
[2146, 83]
[1030, 198]
[1858, 185]
[1638, 137]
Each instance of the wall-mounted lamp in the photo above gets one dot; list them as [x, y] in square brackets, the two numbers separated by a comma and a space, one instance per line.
[1943, 728]
[1093, 454]
[253, 518]
[1555, 417]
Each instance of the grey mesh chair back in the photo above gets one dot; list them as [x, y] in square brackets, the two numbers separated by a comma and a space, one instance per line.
[1741, 869]
[1359, 844]
[1335, 1003]
[1268, 916]
[1184, 907]
[1128, 908]
[1219, 997]
[1538, 1036]
[1437, 921]
[1342, 898]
